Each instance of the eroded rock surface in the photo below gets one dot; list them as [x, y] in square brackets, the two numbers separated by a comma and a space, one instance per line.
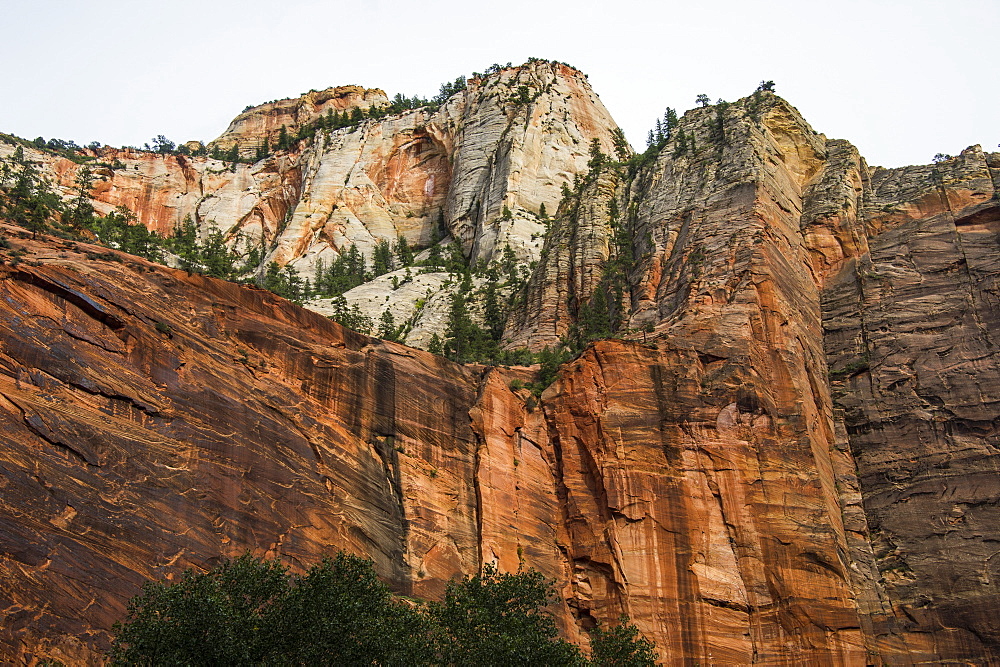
[145, 435]
[914, 362]
[476, 169]
[790, 458]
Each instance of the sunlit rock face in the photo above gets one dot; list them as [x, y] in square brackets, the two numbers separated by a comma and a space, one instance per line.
[476, 169]
[788, 456]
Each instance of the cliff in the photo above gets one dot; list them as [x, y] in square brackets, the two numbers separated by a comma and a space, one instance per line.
[205, 419]
[476, 169]
[849, 309]
[786, 456]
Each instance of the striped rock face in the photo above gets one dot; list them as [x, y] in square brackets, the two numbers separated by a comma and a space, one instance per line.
[788, 455]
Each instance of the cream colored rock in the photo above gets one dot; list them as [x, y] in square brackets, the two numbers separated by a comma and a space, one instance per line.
[479, 167]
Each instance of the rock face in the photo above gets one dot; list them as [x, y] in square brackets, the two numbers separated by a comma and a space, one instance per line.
[141, 436]
[263, 123]
[477, 169]
[914, 363]
[790, 456]
[774, 254]
[145, 435]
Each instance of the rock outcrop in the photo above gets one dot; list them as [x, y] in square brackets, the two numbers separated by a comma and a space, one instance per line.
[775, 254]
[262, 124]
[478, 169]
[915, 368]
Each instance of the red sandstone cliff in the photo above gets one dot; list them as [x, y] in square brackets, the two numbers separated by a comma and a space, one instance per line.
[144, 435]
[798, 466]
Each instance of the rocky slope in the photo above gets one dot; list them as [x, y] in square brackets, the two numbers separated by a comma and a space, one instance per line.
[477, 169]
[790, 458]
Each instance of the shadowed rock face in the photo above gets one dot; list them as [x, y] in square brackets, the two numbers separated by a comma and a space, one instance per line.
[915, 366]
[797, 464]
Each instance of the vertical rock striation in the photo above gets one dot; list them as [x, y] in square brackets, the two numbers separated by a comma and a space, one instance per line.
[910, 333]
[789, 456]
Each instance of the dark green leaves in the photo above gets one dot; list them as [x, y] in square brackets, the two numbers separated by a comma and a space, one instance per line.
[251, 612]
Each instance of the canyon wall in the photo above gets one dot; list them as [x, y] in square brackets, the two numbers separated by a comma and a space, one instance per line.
[849, 306]
[145, 435]
[786, 456]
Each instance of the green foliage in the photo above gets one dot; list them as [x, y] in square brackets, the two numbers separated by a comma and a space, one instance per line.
[220, 617]
[120, 229]
[403, 252]
[719, 124]
[402, 103]
[622, 149]
[382, 258]
[500, 619]
[766, 86]
[163, 145]
[26, 198]
[285, 282]
[387, 329]
[350, 317]
[855, 367]
[680, 148]
[213, 257]
[249, 611]
[449, 89]
[436, 345]
[621, 646]
[549, 361]
[339, 613]
[81, 210]
[597, 158]
[463, 340]
[657, 138]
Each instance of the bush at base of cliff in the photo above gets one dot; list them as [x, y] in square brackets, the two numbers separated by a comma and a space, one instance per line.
[251, 612]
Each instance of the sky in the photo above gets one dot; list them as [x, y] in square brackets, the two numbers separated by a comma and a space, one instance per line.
[902, 80]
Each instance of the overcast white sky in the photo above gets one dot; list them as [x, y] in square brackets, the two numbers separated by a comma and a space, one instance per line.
[902, 80]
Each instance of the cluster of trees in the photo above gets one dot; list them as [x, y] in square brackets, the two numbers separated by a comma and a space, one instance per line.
[476, 337]
[449, 88]
[25, 197]
[249, 611]
[663, 131]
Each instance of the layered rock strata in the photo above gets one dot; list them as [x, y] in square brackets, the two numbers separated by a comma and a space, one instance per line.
[915, 369]
[790, 458]
[778, 256]
[477, 169]
[145, 435]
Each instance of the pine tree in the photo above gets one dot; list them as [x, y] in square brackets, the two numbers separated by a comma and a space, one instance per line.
[387, 326]
[403, 252]
[283, 140]
[382, 258]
